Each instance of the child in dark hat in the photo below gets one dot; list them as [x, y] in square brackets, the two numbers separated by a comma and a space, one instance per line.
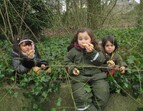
[26, 57]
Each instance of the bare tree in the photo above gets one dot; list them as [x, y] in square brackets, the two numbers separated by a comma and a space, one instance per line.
[140, 15]
[93, 11]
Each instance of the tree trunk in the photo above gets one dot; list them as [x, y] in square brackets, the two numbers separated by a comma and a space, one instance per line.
[140, 15]
[93, 13]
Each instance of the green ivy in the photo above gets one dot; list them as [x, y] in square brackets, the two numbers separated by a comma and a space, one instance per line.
[53, 49]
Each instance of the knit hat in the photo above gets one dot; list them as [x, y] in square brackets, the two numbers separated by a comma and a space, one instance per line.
[25, 40]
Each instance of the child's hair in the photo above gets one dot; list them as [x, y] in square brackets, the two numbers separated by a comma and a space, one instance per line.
[111, 39]
[75, 38]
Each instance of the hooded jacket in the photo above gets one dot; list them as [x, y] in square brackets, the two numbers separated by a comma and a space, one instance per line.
[116, 58]
[118, 62]
[21, 63]
[85, 62]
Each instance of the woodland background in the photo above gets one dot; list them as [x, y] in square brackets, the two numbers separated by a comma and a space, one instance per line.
[52, 24]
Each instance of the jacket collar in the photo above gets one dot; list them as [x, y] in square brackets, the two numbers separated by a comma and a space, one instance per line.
[76, 46]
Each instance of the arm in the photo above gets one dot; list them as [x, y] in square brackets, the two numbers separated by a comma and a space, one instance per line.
[28, 63]
[122, 64]
[69, 61]
[97, 58]
[39, 62]
[120, 61]
[18, 66]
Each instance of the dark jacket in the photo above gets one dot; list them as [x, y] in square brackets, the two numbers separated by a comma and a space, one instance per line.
[21, 63]
[116, 58]
[118, 62]
[85, 62]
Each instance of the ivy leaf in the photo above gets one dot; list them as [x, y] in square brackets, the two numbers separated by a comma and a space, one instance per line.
[44, 94]
[24, 109]
[12, 78]
[35, 106]
[53, 109]
[126, 85]
[59, 102]
[15, 94]
[87, 88]
[129, 70]
[118, 91]
[131, 59]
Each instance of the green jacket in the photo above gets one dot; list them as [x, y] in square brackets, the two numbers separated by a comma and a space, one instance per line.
[87, 63]
[116, 58]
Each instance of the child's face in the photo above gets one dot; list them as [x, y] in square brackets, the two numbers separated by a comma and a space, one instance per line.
[25, 47]
[109, 47]
[83, 38]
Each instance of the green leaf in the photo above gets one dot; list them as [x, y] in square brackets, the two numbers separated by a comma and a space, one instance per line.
[53, 109]
[12, 78]
[126, 85]
[44, 94]
[87, 88]
[59, 101]
[35, 106]
[131, 59]
[24, 109]
[15, 94]
[118, 90]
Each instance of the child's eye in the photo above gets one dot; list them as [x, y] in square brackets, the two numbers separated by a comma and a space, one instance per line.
[86, 38]
[112, 45]
[80, 38]
[106, 45]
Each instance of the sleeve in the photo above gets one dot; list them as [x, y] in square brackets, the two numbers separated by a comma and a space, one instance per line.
[28, 63]
[120, 61]
[95, 57]
[46, 63]
[18, 66]
[69, 61]
[105, 67]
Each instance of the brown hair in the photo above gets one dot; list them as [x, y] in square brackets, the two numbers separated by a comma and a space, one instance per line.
[111, 39]
[75, 38]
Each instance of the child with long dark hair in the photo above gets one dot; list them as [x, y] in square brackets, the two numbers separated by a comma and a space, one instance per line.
[89, 85]
[113, 59]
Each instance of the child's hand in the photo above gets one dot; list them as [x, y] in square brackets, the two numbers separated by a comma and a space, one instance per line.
[30, 54]
[111, 63]
[122, 69]
[43, 66]
[76, 71]
[89, 47]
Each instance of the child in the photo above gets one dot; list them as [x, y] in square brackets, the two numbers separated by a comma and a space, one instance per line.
[113, 59]
[26, 57]
[89, 85]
